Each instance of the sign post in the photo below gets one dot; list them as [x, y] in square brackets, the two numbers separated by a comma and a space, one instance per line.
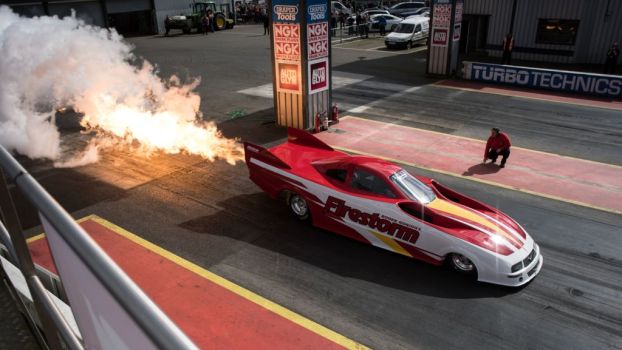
[301, 61]
[445, 27]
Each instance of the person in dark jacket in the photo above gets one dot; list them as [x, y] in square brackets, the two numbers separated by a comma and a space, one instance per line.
[266, 24]
[612, 59]
[498, 144]
[507, 46]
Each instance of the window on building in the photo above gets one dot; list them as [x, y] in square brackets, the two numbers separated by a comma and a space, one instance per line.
[557, 31]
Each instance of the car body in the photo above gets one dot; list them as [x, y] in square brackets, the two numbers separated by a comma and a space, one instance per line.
[391, 22]
[339, 8]
[409, 32]
[369, 13]
[422, 11]
[376, 202]
[405, 7]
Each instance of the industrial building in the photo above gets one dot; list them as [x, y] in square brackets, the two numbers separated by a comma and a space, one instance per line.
[128, 17]
[563, 31]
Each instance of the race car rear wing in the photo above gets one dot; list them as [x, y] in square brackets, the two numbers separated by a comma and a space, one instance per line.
[294, 136]
[303, 138]
[261, 153]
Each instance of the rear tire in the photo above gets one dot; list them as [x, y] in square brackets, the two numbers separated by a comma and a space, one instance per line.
[220, 23]
[461, 264]
[186, 30]
[299, 207]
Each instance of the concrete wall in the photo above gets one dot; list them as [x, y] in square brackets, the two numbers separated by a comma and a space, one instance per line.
[600, 25]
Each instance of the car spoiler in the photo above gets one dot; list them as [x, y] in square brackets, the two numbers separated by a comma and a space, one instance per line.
[294, 136]
[303, 138]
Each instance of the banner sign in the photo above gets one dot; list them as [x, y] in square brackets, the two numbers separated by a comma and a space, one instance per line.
[442, 15]
[288, 77]
[440, 36]
[317, 40]
[285, 11]
[286, 41]
[318, 75]
[317, 11]
[583, 83]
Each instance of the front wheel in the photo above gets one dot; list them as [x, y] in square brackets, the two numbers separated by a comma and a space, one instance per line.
[298, 206]
[462, 264]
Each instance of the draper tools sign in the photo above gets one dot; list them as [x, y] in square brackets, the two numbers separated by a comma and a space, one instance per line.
[585, 83]
[318, 75]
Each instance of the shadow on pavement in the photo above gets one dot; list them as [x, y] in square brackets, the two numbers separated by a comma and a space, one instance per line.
[285, 235]
[482, 169]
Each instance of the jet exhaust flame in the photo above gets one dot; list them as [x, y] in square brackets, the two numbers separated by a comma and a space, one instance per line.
[50, 64]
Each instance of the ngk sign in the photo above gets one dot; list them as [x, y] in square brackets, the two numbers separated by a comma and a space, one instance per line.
[318, 76]
[317, 40]
[286, 41]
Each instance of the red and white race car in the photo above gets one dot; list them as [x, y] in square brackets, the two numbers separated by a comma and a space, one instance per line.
[376, 202]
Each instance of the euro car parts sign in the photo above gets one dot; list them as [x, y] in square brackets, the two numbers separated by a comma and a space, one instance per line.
[318, 75]
[317, 40]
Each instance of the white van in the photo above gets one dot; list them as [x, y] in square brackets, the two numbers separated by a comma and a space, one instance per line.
[409, 32]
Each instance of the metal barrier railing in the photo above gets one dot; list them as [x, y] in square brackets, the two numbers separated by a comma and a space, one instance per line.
[159, 329]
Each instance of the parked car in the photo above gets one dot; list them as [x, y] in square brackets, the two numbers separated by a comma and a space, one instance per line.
[370, 13]
[391, 22]
[403, 7]
[376, 202]
[409, 32]
[339, 8]
[422, 11]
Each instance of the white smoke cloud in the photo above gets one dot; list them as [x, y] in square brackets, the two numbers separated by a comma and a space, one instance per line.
[47, 63]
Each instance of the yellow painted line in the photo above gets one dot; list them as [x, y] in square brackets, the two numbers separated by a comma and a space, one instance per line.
[241, 291]
[35, 238]
[42, 235]
[391, 243]
[438, 84]
[491, 183]
[480, 141]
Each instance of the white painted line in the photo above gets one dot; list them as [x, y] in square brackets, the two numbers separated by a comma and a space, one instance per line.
[339, 81]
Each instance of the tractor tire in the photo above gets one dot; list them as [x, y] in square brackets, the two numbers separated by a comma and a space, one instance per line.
[220, 23]
[186, 30]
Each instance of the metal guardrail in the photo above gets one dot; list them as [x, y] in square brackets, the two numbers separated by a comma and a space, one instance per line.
[155, 324]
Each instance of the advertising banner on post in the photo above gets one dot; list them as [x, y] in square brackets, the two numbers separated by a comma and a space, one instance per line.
[318, 75]
[287, 45]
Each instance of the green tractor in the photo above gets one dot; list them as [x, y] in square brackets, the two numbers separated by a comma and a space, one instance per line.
[193, 21]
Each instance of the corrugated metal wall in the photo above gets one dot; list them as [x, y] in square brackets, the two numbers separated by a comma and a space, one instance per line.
[600, 25]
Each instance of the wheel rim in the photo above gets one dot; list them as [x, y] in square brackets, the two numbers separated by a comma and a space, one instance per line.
[220, 22]
[462, 263]
[299, 205]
